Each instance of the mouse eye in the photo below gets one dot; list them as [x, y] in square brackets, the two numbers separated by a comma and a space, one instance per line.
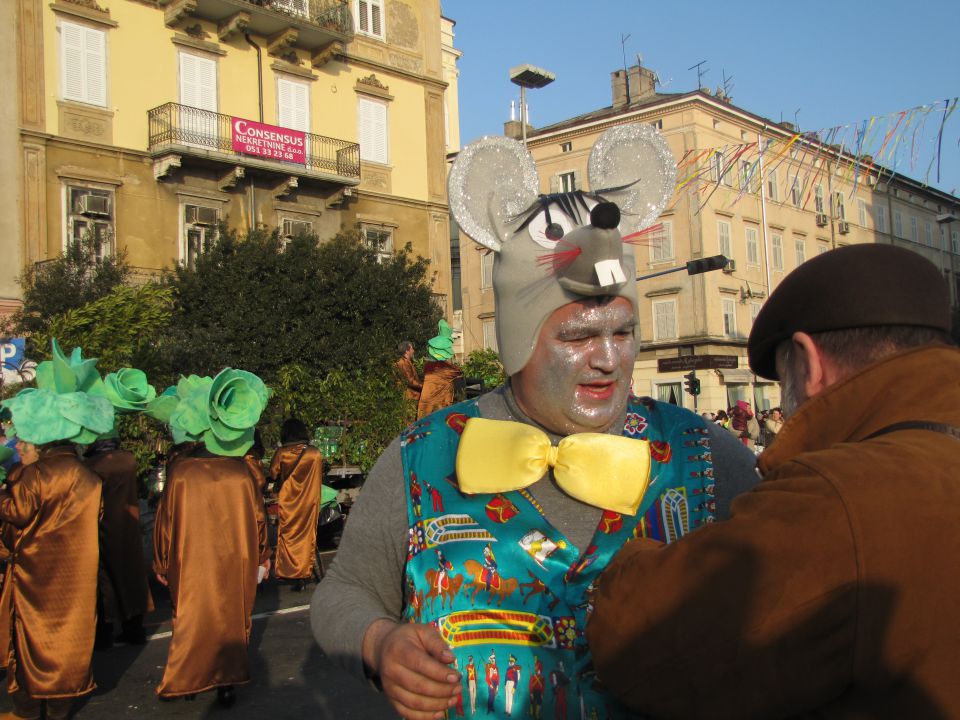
[547, 235]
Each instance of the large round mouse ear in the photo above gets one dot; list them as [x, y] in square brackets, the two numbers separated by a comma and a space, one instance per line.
[492, 181]
[636, 158]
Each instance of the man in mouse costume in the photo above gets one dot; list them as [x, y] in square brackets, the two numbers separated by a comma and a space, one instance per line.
[210, 532]
[49, 598]
[551, 473]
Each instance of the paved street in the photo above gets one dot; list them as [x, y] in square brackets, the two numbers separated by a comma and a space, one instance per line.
[291, 678]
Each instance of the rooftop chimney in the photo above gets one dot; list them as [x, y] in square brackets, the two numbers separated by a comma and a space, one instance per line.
[642, 85]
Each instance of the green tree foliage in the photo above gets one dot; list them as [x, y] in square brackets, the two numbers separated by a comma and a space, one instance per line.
[118, 329]
[69, 281]
[367, 402]
[260, 304]
[485, 364]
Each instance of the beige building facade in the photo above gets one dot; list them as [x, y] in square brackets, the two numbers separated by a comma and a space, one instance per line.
[809, 199]
[145, 123]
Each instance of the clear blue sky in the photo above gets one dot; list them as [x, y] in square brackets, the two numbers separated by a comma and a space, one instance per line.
[837, 62]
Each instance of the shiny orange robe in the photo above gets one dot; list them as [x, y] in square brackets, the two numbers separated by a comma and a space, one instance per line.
[208, 540]
[51, 582]
[411, 381]
[299, 502]
[437, 392]
[127, 593]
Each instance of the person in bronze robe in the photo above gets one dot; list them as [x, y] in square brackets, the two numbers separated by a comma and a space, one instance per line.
[297, 468]
[210, 532]
[51, 582]
[439, 374]
[407, 372]
[123, 588]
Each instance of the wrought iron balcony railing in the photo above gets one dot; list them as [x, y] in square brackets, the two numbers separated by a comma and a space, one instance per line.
[181, 128]
[331, 14]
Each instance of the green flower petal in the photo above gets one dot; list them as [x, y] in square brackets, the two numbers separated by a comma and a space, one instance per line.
[230, 448]
[128, 389]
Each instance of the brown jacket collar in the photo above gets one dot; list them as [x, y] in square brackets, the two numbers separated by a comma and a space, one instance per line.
[919, 384]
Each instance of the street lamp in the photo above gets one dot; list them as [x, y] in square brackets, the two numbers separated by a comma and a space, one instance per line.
[528, 76]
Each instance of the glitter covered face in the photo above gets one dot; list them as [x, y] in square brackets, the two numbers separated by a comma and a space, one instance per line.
[578, 376]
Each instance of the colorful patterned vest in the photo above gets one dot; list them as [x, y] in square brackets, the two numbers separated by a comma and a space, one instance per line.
[506, 590]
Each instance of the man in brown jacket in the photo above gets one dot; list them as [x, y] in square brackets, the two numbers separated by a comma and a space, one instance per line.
[407, 372]
[829, 591]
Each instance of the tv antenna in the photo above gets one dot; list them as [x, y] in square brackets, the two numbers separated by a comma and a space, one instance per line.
[727, 84]
[626, 74]
[700, 73]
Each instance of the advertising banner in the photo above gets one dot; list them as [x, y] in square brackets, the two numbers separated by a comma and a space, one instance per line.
[269, 141]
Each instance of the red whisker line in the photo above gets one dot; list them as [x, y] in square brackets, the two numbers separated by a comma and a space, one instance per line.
[558, 260]
[645, 231]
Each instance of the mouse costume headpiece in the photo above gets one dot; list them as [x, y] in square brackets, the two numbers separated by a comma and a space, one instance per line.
[555, 249]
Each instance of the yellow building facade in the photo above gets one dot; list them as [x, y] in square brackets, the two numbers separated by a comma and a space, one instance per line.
[148, 122]
[766, 220]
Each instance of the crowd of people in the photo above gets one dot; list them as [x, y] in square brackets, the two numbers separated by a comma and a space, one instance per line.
[72, 540]
[756, 431]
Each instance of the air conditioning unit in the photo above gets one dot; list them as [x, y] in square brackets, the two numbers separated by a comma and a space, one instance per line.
[293, 228]
[201, 215]
[843, 227]
[93, 205]
[822, 220]
[731, 266]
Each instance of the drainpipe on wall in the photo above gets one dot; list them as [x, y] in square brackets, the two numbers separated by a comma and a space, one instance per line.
[251, 192]
[763, 214]
[259, 72]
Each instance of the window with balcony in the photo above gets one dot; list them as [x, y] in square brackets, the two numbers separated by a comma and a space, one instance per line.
[199, 232]
[293, 104]
[198, 81]
[665, 320]
[801, 248]
[777, 243]
[380, 239]
[723, 237]
[753, 247]
[486, 270]
[83, 64]
[729, 317]
[661, 243]
[374, 130]
[368, 18]
[89, 217]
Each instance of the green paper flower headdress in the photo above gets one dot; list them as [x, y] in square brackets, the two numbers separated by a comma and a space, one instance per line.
[129, 390]
[441, 346]
[69, 402]
[221, 412]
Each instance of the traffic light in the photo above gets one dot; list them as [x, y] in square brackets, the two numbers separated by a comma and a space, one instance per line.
[702, 265]
[691, 383]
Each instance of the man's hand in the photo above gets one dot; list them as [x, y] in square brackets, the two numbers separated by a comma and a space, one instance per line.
[413, 663]
[162, 579]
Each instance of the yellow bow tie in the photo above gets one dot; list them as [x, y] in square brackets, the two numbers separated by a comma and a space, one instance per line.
[608, 471]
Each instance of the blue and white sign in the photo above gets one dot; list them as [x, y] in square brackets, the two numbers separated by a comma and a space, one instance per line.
[16, 367]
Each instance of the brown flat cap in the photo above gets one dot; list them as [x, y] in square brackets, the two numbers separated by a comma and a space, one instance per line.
[850, 287]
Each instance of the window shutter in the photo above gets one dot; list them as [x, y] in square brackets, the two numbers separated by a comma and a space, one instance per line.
[294, 105]
[373, 131]
[554, 183]
[95, 47]
[72, 57]
[376, 22]
[198, 82]
[363, 15]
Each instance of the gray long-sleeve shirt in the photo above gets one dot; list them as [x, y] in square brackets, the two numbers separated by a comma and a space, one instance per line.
[365, 581]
